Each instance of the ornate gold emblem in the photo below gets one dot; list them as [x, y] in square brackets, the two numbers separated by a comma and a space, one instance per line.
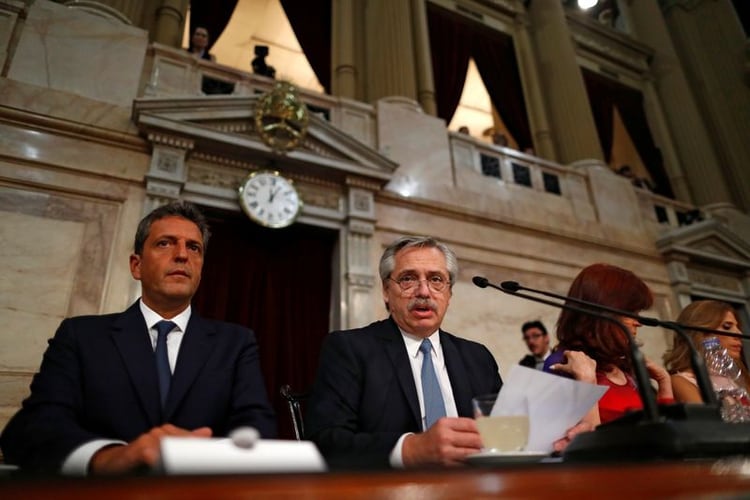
[281, 118]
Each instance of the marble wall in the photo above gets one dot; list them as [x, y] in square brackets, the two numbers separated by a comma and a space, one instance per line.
[102, 61]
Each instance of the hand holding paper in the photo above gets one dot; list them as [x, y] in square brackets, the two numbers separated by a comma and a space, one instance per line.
[555, 404]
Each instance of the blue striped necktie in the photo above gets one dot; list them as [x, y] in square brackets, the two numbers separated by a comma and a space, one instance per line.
[434, 406]
[162, 359]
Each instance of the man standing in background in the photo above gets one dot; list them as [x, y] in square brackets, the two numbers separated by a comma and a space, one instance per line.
[537, 341]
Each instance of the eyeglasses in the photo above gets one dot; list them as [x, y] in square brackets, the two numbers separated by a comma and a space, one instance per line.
[409, 282]
[533, 336]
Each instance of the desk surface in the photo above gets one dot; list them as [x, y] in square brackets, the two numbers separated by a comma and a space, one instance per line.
[559, 481]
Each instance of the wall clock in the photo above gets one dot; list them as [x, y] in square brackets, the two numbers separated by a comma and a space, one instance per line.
[270, 199]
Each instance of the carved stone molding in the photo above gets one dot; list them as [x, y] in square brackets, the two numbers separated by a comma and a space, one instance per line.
[706, 259]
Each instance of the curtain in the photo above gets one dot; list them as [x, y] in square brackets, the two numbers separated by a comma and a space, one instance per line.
[450, 46]
[454, 39]
[604, 94]
[213, 15]
[278, 283]
[311, 22]
[601, 99]
[495, 56]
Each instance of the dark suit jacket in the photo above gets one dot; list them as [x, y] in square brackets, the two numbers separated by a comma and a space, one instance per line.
[98, 380]
[529, 361]
[364, 396]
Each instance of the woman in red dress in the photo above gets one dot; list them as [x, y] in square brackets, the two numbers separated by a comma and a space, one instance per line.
[596, 350]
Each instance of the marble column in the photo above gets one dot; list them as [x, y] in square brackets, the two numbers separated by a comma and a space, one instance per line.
[697, 157]
[131, 9]
[389, 53]
[425, 84]
[712, 47]
[567, 103]
[544, 146]
[169, 24]
[360, 278]
[344, 83]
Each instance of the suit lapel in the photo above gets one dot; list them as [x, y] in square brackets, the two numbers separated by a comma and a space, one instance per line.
[130, 336]
[462, 392]
[396, 351]
[197, 345]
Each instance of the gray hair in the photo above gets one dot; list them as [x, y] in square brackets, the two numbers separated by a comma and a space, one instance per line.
[178, 208]
[388, 260]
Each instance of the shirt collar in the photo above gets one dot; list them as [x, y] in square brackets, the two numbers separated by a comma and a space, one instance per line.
[413, 342]
[152, 317]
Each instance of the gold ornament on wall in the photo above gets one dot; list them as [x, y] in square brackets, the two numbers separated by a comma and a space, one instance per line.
[281, 118]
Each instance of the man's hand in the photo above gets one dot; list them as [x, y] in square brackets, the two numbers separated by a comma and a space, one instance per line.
[447, 442]
[144, 450]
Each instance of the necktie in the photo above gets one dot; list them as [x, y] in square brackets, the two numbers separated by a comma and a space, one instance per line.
[434, 407]
[162, 359]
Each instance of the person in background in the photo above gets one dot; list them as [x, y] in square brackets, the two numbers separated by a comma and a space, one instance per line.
[596, 350]
[463, 129]
[707, 314]
[111, 386]
[537, 342]
[199, 44]
[641, 182]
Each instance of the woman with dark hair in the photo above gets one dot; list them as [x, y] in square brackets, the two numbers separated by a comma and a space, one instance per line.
[596, 350]
[707, 314]
[199, 44]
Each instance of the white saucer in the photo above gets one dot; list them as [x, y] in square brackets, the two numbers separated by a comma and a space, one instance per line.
[494, 457]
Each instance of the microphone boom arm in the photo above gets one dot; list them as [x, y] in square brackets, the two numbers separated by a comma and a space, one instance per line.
[650, 407]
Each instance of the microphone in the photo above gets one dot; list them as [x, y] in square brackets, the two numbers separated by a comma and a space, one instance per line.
[513, 286]
[244, 437]
[650, 407]
[696, 360]
[684, 430]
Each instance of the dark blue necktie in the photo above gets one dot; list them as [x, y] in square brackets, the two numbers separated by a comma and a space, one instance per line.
[162, 359]
[434, 406]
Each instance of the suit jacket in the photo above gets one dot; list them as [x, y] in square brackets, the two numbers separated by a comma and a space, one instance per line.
[529, 361]
[364, 396]
[98, 381]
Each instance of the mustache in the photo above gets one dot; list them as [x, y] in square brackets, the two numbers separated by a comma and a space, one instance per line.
[421, 302]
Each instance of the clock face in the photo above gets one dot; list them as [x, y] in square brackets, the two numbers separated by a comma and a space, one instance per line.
[270, 199]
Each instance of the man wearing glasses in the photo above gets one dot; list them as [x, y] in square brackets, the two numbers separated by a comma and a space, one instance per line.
[398, 392]
[537, 341]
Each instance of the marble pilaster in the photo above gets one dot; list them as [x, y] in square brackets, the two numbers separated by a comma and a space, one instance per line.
[711, 44]
[694, 151]
[425, 85]
[345, 72]
[390, 50]
[531, 78]
[571, 120]
[170, 19]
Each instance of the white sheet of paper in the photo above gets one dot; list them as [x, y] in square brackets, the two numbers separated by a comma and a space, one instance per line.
[555, 404]
[190, 455]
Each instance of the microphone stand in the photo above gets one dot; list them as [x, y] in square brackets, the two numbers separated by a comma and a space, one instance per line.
[708, 395]
[678, 431]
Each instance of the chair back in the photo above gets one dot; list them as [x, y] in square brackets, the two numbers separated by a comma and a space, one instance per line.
[295, 400]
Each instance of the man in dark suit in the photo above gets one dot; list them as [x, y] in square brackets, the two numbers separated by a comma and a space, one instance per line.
[108, 390]
[537, 341]
[368, 406]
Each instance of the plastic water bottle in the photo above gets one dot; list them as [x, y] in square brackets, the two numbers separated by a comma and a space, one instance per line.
[725, 374]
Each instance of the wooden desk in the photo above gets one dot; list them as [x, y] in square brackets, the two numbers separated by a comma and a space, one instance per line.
[558, 481]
